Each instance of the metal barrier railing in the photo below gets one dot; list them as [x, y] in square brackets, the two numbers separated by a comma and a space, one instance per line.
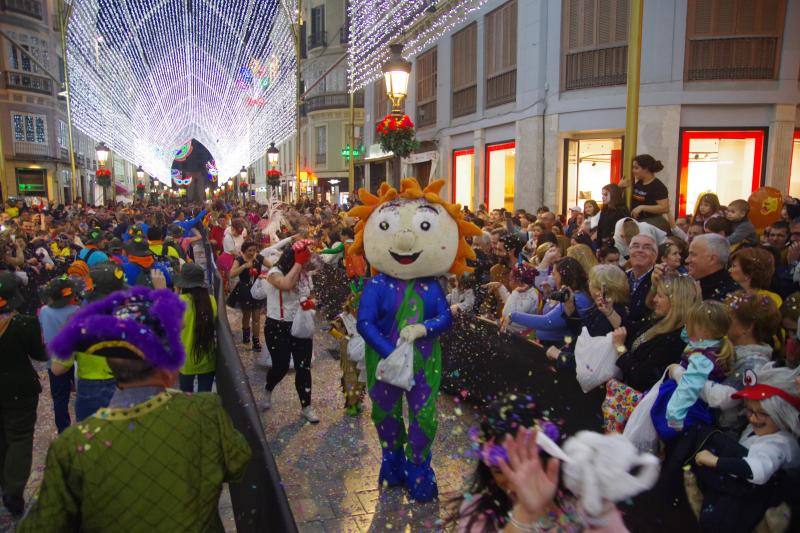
[259, 501]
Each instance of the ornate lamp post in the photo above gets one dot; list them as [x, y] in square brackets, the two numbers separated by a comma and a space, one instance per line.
[273, 174]
[396, 72]
[103, 175]
[243, 183]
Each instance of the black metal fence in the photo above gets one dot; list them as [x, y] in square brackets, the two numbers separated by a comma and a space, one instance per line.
[259, 501]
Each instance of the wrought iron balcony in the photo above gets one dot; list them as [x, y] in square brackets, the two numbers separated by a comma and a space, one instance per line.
[331, 101]
[600, 67]
[732, 58]
[31, 8]
[24, 81]
[315, 40]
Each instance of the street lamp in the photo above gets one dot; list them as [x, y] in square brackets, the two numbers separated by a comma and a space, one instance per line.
[140, 173]
[102, 153]
[272, 155]
[396, 72]
[243, 173]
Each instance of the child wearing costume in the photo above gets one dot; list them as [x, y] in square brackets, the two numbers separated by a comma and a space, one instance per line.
[156, 458]
[410, 237]
[739, 479]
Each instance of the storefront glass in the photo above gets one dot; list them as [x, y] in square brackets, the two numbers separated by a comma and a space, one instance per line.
[794, 178]
[728, 163]
[591, 165]
[500, 159]
[464, 177]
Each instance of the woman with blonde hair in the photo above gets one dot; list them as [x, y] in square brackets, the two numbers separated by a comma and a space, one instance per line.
[644, 358]
[584, 255]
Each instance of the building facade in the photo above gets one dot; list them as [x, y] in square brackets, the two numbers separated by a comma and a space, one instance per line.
[325, 112]
[523, 104]
[33, 118]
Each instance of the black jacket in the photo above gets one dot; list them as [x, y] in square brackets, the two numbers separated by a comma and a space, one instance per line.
[607, 223]
[21, 342]
[718, 286]
[642, 367]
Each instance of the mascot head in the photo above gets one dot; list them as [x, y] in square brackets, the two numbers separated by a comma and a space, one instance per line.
[412, 233]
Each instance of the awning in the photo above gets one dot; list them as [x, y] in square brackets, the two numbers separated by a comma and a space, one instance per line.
[121, 189]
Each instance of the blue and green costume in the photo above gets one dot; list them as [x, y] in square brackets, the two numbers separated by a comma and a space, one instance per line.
[388, 305]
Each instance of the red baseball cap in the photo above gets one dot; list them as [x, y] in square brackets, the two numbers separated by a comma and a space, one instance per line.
[762, 392]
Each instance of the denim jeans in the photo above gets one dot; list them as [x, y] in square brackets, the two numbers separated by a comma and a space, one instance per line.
[204, 382]
[60, 390]
[93, 394]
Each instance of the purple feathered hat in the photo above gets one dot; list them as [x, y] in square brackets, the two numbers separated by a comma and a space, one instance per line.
[137, 323]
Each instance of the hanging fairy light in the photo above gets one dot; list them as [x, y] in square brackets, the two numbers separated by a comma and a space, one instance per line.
[147, 76]
[375, 23]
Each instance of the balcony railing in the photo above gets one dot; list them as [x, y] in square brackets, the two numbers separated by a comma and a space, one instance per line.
[315, 40]
[732, 58]
[24, 81]
[31, 148]
[465, 101]
[331, 101]
[32, 8]
[596, 68]
[501, 89]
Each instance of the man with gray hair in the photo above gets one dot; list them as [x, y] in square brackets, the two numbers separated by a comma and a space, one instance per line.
[707, 263]
[643, 252]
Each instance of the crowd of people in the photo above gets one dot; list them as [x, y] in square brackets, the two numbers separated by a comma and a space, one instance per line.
[700, 314]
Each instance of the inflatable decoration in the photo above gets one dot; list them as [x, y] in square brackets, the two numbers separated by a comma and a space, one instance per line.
[410, 238]
[765, 207]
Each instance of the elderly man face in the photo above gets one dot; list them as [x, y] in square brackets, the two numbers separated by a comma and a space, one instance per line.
[547, 219]
[701, 261]
[643, 253]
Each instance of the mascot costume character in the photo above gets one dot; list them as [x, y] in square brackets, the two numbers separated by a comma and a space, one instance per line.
[410, 238]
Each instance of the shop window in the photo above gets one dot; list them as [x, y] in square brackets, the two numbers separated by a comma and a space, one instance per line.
[500, 159]
[728, 163]
[464, 177]
[794, 176]
[31, 182]
[591, 165]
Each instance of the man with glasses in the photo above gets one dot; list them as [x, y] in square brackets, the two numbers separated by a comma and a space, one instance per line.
[643, 253]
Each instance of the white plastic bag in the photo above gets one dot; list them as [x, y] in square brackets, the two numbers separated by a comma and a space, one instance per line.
[303, 324]
[595, 360]
[398, 368]
[355, 348]
[259, 289]
[640, 429]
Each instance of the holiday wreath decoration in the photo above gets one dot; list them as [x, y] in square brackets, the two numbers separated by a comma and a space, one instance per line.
[397, 135]
[273, 177]
[103, 177]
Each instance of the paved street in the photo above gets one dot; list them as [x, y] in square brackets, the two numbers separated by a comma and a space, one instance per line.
[330, 470]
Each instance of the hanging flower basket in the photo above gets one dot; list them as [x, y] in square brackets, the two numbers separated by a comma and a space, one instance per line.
[103, 177]
[273, 177]
[243, 187]
[140, 190]
[397, 134]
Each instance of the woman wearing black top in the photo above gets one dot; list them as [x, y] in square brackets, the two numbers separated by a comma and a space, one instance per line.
[613, 210]
[644, 361]
[247, 267]
[650, 198]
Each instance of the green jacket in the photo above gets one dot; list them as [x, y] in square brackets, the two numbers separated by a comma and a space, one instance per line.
[21, 342]
[156, 466]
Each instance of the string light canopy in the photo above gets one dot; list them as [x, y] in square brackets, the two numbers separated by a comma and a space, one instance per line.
[417, 24]
[145, 76]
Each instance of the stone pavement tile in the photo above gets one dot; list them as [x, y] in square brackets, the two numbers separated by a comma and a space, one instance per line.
[341, 525]
[311, 527]
[308, 509]
[345, 505]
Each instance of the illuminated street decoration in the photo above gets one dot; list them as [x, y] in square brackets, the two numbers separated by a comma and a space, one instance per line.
[148, 75]
[183, 151]
[375, 23]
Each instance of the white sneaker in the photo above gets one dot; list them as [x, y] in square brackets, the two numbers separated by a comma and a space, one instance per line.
[266, 403]
[310, 415]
